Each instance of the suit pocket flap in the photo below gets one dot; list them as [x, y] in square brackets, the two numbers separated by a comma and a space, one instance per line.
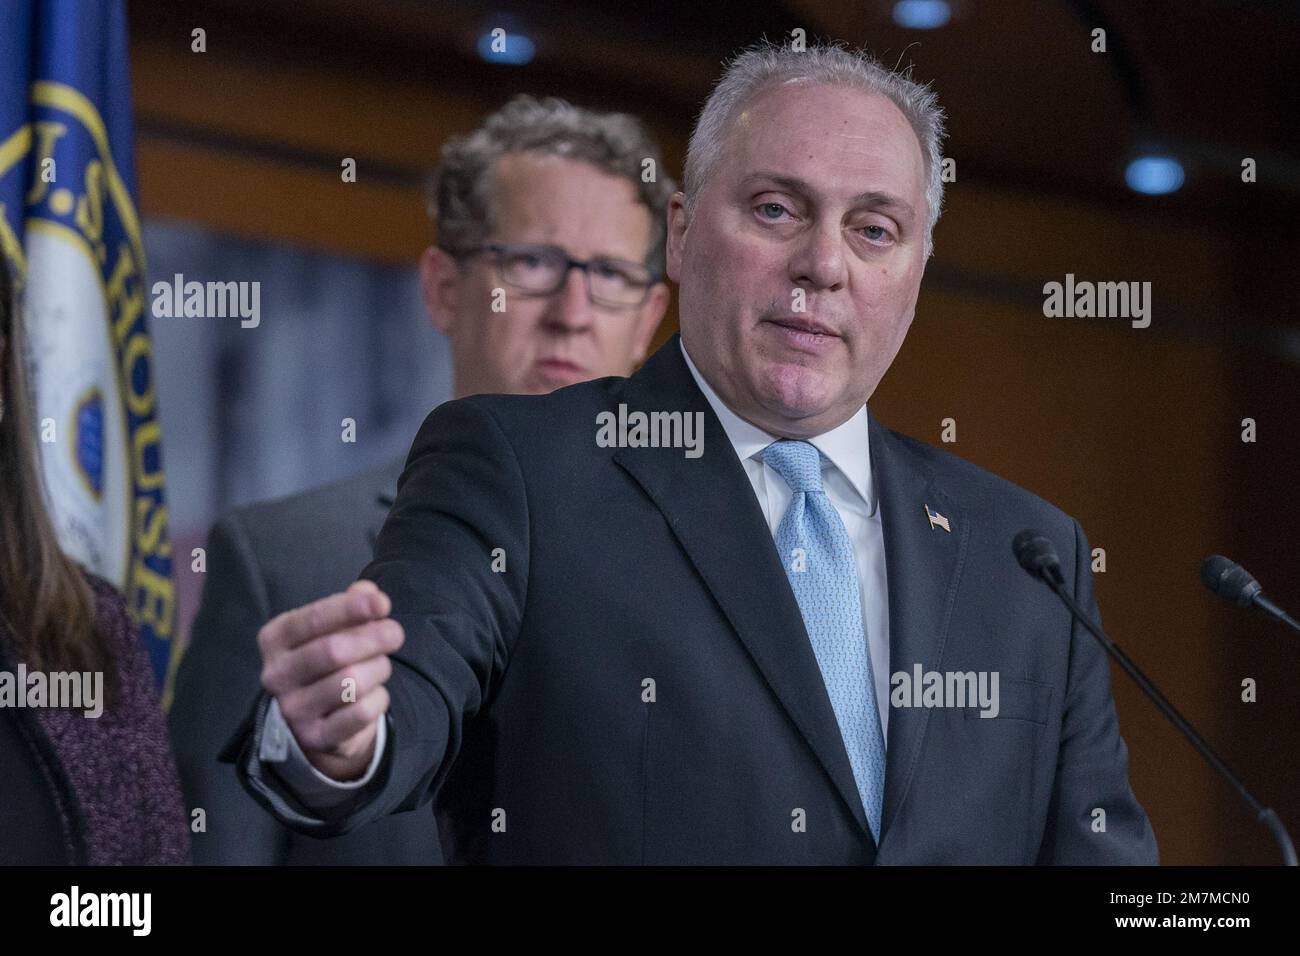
[1018, 699]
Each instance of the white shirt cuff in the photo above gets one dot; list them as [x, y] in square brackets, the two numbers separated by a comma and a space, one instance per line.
[307, 783]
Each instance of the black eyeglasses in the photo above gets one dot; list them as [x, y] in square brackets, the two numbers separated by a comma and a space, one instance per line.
[540, 270]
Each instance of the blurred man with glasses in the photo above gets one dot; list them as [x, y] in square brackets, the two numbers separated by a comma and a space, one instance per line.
[547, 271]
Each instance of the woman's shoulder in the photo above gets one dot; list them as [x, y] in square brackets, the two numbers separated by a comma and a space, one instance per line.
[111, 618]
[121, 640]
[101, 587]
[117, 631]
[125, 772]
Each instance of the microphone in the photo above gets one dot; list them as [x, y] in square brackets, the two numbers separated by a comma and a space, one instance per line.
[1230, 581]
[1037, 555]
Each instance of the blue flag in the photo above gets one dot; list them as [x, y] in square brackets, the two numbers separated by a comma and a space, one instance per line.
[69, 228]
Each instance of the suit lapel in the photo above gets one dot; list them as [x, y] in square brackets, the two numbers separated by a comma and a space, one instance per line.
[711, 508]
[923, 565]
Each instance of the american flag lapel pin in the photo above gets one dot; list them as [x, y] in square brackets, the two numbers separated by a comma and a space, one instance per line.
[936, 519]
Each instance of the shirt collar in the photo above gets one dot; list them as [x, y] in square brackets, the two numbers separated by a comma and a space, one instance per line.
[848, 446]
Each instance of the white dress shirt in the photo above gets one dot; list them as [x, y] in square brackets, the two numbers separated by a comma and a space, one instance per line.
[846, 477]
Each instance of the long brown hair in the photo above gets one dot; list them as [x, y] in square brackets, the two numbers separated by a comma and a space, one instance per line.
[46, 603]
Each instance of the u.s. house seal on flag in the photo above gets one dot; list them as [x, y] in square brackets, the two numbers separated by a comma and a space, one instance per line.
[77, 254]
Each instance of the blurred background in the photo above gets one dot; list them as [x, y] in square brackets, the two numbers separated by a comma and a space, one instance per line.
[1117, 166]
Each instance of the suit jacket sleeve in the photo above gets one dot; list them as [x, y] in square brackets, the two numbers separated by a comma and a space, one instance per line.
[461, 498]
[220, 667]
[1092, 764]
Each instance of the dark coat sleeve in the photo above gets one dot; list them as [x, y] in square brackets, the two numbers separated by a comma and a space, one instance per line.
[462, 496]
[1092, 764]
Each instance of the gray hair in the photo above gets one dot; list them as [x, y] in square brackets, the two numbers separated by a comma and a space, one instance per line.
[766, 64]
[616, 143]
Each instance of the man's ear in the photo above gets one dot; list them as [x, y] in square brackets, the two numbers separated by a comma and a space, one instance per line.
[677, 226]
[438, 275]
[648, 319]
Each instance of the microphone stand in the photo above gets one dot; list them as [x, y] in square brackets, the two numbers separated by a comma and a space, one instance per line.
[1263, 814]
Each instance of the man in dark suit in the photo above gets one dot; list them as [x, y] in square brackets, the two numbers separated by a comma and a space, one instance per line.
[546, 180]
[675, 618]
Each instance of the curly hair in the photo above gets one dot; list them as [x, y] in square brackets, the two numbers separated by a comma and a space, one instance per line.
[616, 143]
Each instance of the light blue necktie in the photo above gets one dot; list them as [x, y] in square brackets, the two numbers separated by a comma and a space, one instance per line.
[818, 559]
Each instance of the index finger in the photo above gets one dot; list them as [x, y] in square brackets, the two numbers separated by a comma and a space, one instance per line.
[356, 605]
